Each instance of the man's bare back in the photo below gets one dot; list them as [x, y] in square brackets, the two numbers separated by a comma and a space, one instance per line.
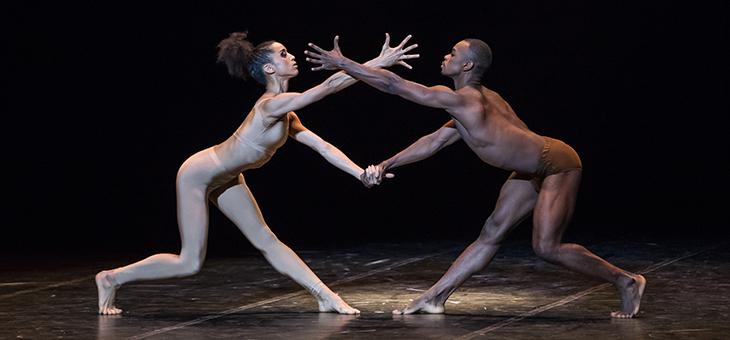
[493, 131]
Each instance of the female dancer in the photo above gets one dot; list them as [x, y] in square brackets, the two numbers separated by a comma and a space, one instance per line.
[216, 173]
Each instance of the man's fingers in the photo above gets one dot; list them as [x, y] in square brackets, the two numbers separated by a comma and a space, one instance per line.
[317, 68]
[389, 175]
[371, 180]
[314, 61]
[337, 42]
[410, 56]
[364, 180]
[319, 49]
[405, 65]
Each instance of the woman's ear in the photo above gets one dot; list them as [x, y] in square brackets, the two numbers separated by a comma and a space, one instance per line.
[269, 69]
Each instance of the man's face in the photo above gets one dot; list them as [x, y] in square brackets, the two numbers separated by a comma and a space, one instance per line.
[455, 61]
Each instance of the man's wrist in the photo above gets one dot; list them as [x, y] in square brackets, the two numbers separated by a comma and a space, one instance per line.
[385, 165]
[342, 63]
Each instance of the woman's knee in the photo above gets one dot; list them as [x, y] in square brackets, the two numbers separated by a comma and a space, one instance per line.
[190, 265]
[186, 174]
[264, 240]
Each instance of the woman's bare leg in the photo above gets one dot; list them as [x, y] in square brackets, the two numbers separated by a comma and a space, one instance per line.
[239, 205]
[192, 211]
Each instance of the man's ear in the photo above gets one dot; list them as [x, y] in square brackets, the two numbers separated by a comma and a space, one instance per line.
[268, 68]
[468, 65]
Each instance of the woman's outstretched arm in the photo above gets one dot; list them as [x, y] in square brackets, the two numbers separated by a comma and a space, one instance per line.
[331, 153]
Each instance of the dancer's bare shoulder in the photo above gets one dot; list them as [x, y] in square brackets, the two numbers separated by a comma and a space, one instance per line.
[491, 96]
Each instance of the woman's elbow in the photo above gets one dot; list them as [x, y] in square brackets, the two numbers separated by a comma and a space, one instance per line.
[325, 149]
[329, 87]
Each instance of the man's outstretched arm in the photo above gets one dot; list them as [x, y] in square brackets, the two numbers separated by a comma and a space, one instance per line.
[421, 149]
[384, 80]
[424, 147]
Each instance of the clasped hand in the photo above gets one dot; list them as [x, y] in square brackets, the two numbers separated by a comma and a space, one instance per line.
[374, 175]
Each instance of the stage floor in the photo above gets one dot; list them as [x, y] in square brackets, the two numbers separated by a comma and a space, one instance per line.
[517, 297]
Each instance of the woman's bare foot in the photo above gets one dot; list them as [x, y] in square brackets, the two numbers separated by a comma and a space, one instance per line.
[334, 303]
[422, 305]
[107, 289]
[630, 298]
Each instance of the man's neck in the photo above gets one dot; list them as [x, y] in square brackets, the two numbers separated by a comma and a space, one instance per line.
[463, 80]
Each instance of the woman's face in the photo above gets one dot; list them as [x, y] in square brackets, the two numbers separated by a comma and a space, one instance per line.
[283, 62]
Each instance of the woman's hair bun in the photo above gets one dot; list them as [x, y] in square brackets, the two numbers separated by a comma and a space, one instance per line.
[240, 36]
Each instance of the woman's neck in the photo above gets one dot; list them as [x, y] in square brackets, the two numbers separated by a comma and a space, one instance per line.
[277, 85]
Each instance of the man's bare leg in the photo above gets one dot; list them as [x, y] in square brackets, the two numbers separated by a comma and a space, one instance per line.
[475, 257]
[516, 200]
[239, 205]
[631, 292]
[552, 215]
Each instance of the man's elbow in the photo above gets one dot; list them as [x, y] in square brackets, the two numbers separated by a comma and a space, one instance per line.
[435, 145]
[437, 141]
[390, 84]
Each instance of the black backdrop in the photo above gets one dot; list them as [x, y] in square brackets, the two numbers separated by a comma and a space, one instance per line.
[107, 100]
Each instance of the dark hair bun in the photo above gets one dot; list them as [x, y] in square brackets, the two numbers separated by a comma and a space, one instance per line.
[239, 36]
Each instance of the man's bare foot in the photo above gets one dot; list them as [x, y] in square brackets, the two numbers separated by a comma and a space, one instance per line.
[334, 303]
[630, 298]
[422, 305]
[107, 289]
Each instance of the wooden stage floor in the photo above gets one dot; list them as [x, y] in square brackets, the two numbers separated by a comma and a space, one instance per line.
[517, 297]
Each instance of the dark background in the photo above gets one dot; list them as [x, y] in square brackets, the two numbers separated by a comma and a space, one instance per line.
[106, 101]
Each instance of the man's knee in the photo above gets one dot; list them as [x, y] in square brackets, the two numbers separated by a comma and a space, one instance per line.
[547, 251]
[490, 238]
[494, 232]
